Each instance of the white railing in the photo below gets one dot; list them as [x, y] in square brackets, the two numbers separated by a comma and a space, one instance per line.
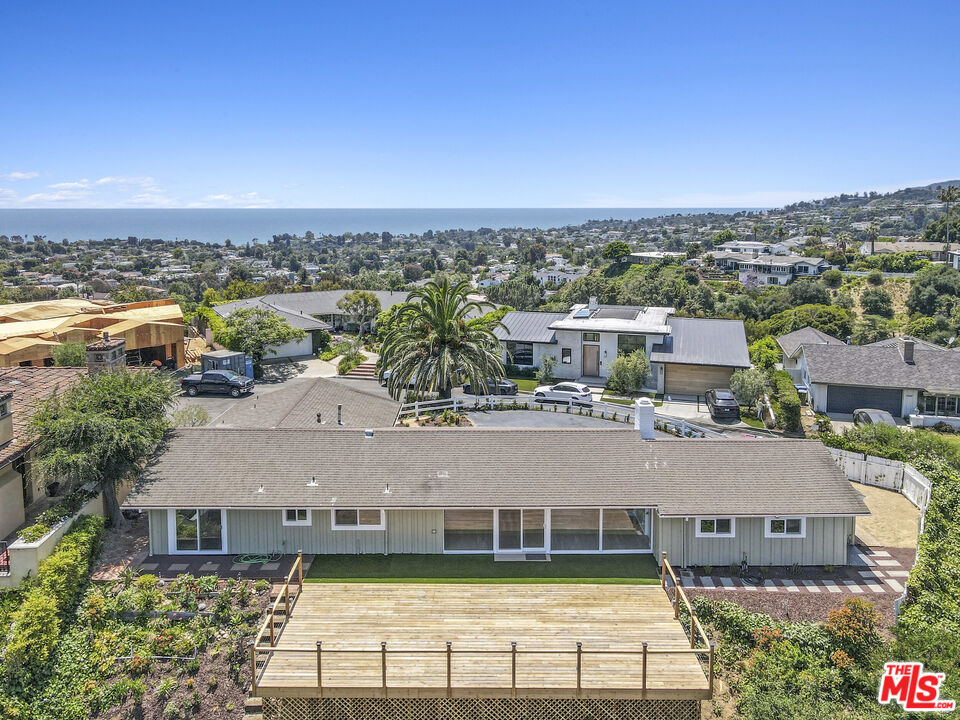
[598, 409]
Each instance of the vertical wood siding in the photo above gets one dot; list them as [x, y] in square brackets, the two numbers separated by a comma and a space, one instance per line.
[407, 531]
[825, 543]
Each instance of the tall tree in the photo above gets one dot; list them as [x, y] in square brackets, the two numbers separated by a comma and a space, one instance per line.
[433, 344]
[101, 429]
[361, 305]
[948, 196]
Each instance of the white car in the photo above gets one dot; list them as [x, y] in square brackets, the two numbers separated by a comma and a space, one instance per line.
[577, 393]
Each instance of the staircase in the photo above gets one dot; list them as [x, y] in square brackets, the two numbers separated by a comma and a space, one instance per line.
[364, 371]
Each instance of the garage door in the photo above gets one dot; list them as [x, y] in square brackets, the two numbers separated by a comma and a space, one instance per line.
[695, 379]
[847, 398]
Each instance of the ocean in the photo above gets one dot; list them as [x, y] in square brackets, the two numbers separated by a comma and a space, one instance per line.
[242, 226]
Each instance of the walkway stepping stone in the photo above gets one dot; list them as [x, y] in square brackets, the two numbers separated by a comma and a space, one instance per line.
[149, 567]
[888, 563]
[894, 584]
[898, 573]
[875, 587]
[178, 567]
[769, 585]
[831, 586]
[727, 583]
[790, 586]
[879, 553]
[811, 586]
[852, 586]
[866, 560]
[870, 574]
[707, 582]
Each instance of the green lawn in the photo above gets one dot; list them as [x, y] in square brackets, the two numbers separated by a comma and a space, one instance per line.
[526, 384]
[562, 569]
[749, 419]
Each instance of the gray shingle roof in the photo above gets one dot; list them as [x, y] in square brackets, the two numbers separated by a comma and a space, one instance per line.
[871, 366]
[203, 467]
[704, 341]
[895, 341]
[529, 326]
[792, 341]
[298, 307]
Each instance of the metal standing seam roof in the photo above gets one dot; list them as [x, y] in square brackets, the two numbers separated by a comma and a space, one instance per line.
[704, 341]
[871, 366]
[524, 326]
[431, 468]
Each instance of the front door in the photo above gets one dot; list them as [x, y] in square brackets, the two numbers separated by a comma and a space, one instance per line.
[521, 530]
[591, 360]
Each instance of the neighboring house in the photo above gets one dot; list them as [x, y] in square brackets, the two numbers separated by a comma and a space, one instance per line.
[936, 251]
[791, 342]
[953, 257]
[312, 312]
[153, 329]
[687, 355]
[703, 502]
[779, 269]
[903, 379]
[558, 276]
[754, 246]
[21, 389]
[654, 256]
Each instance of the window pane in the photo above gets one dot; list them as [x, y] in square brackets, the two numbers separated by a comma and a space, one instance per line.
[520, 353]
[369, 517]
[566, 356]
[707, 526]
[302, 515]
[575, 529]
[591, 337]
[627, 344]
[533, 521]
[777, 527]
[186, 522]
[468, 529]
[344, 517]
[626, 529]
[793, 526]
[509, 529]
[723, 526]
[210, 530]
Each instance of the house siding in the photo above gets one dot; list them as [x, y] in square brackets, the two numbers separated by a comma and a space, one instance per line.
[825, 543]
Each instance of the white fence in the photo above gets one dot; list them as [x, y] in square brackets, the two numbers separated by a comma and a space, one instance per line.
[890, 474]
[597, 409]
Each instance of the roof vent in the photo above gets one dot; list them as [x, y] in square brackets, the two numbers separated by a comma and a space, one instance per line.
[260, 489]
[313, 482]
[386, 490]
[368, 433]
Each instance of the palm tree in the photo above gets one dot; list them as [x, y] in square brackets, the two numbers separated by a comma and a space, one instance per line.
[433, 342]
[947, 195]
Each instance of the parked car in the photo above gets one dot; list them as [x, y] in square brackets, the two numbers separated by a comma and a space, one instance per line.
[225, 382]
[722, 404]
[578, 393]
[493, 387]
[389, 373]
[870, 416]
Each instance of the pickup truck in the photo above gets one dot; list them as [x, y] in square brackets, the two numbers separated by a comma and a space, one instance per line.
[216, 381]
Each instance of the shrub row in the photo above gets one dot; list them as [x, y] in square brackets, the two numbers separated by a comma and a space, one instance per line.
[67, 507]
[788, 399]
[61, 578]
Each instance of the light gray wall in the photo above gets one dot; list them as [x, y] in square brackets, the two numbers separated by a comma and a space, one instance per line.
[825, 543]
[407, 531]
[159, 532]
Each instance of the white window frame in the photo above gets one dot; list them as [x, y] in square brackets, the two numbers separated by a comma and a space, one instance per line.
[731, 534]
[296, 523]
[768, 533]
[333, 520]
[172, 533]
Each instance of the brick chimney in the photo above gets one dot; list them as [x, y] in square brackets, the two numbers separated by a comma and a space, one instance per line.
[906, 349]
[107, 354]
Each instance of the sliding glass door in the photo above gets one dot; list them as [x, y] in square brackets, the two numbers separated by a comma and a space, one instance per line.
[520, 530]
[197, 531]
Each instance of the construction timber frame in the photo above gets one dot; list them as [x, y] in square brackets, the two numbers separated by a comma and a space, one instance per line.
[302, 679]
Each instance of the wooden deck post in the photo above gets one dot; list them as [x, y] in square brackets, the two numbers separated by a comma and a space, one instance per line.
[663, 570]
[286, 602]
[299, 572]
[513, 669]
[272, 640]
[383, 667]
[643, 674]
[320, 667]
[449, 658]
[693, 628]
[253, 669]
[579, 665]
[713, 646]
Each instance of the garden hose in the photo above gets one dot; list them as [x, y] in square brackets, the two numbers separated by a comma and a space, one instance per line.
[254, 558]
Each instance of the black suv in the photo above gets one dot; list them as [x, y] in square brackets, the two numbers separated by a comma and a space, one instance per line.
[722, 404]
[224, 382]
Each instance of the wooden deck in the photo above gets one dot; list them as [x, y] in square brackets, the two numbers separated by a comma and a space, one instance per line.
[416, 621]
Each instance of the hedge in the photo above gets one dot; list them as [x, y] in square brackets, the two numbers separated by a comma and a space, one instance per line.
[61, 579]
[788, 398]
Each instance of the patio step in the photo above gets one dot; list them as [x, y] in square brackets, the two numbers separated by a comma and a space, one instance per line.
[253, 708]
[364, 370]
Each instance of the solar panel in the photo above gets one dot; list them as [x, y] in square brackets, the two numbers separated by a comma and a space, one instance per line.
[617, 313]
[584, 313]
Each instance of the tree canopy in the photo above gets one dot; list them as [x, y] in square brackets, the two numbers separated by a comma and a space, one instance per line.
[256, 332]
[70, 354]
[361, 305]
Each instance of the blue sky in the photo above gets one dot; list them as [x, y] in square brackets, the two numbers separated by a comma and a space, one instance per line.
[449, 104]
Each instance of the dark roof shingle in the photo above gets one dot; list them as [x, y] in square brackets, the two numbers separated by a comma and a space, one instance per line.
[872, 366]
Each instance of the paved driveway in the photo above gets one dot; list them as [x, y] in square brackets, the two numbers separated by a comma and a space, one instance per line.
[543, 419]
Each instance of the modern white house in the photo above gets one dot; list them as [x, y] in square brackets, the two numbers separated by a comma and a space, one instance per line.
[754, 246]
[498, 492]
[687, 355]
[779, 269]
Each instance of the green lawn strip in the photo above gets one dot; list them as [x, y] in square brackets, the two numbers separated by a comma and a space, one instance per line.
[620, 400]
[476, 569]
[751, 421]
[525, 384]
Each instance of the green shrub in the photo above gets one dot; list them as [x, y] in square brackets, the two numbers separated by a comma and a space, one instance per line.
[788, 399]
[63, 575]
[32, 533]
[832, 278]
[875, 277]
[33, 635]
[629, 373]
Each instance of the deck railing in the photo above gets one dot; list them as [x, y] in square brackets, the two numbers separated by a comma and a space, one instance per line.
[598, 408]
[262, 652]
[268, 632]
[4, 558]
